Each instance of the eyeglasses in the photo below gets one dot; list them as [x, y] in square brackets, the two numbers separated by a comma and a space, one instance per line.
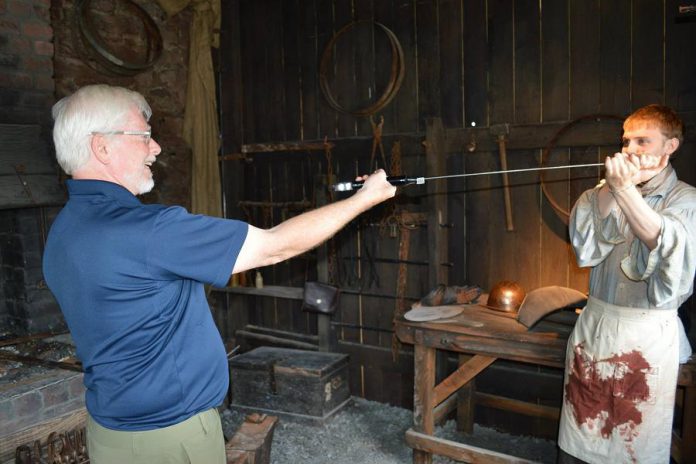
[146, 135]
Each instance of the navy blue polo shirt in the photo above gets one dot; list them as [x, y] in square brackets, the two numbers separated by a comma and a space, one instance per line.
[129, 279]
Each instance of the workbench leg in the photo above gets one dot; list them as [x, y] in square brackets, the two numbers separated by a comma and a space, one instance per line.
[423, 386]
[466, 401]
[688, 451]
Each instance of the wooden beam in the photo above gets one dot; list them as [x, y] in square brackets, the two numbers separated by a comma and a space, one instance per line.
[466, 401]
[275, 340]
[28, 173]
[277, 291]
[534, 136]
[441, 410]
[424, 381]
[687, 373]
[675, 449]
[437, 202]
[29, 190]
[461, 376]
[688, 438]
[517, 406]
[459, 451]
[327, 335]
[287, 146]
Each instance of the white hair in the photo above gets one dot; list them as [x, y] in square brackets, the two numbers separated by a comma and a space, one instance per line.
[94, 108]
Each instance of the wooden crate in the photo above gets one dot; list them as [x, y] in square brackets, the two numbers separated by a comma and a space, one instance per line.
[304, 385]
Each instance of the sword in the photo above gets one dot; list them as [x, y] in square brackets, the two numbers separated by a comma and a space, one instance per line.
[400, 181]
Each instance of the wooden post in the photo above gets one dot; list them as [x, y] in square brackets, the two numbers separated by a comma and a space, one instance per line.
[423, 386]
[436, 165]
[230, 110]
[466, 403]
[437, 202]
[327, 338]
[688, 451]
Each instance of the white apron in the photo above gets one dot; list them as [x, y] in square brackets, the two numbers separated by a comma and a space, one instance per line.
[619, 386]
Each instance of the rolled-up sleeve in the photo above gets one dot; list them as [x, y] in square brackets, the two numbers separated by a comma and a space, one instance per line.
[592, 236]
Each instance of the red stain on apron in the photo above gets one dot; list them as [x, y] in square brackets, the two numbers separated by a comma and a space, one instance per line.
[608, 391]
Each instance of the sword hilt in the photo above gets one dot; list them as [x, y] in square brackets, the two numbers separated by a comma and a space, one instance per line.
[397, 181]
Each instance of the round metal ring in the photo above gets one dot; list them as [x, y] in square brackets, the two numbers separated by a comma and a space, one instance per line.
[563, 212]
[107, 57]
[395, 80]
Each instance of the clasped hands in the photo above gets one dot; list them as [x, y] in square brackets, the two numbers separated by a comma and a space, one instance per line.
[624, 170]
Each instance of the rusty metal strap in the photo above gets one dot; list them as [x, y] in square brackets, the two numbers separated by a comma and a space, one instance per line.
[396, 78]
[100, 50]
[563, 212]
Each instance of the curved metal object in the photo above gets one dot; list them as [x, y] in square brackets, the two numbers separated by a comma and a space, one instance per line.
[506, 296]
[101, 53]
[563, 212]
[395, 80]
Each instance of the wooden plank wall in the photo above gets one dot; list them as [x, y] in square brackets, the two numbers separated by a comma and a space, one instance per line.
[468, 62]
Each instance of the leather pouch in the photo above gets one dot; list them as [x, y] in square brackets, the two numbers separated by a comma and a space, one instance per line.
[320, 298]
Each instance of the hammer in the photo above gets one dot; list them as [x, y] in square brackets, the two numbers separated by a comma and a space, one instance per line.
[502, 131]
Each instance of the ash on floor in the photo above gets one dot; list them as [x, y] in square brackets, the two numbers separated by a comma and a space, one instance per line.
[367, 432]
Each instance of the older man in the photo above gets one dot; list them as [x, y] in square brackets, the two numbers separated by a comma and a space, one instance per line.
[637, 230]
[129, 279]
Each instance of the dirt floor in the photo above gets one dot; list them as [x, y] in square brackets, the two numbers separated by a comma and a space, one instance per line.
[366, 432]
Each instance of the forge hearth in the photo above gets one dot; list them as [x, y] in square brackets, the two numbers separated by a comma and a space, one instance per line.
[30, 198]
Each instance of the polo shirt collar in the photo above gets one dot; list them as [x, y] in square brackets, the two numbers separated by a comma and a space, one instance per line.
[89, 187]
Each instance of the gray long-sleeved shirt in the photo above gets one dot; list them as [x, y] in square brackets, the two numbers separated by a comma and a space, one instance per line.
[624, 271]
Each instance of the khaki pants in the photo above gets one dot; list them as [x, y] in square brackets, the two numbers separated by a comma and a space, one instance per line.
[197, 440]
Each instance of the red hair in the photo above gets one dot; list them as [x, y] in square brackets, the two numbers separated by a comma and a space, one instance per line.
[660, 116]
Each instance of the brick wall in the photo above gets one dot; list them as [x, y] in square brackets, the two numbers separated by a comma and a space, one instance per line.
[163, 85]
[40, 62]
[26, 304]
[55, 394]
[26, 61]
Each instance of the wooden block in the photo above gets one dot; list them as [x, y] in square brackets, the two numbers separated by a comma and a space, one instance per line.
[252, 442]
[236, 456]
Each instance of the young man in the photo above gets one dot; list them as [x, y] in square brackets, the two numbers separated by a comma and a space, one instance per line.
[637, 230]
[129, 279]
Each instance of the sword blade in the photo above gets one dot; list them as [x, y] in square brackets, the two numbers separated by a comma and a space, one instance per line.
[509, 171]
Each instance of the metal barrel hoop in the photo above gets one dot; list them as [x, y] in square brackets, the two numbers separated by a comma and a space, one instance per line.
[395, 80]
[563, 212]
[106, 57]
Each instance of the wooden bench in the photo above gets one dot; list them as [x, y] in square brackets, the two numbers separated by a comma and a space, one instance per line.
[481, 336]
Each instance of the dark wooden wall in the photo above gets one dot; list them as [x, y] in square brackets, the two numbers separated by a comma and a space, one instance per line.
[468, 62]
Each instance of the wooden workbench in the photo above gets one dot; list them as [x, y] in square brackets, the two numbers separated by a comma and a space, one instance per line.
[481, 336]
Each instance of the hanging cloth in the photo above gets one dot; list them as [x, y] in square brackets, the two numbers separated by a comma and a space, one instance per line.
[201, 129]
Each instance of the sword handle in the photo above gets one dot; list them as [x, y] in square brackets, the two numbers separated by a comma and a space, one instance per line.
[397, 181]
